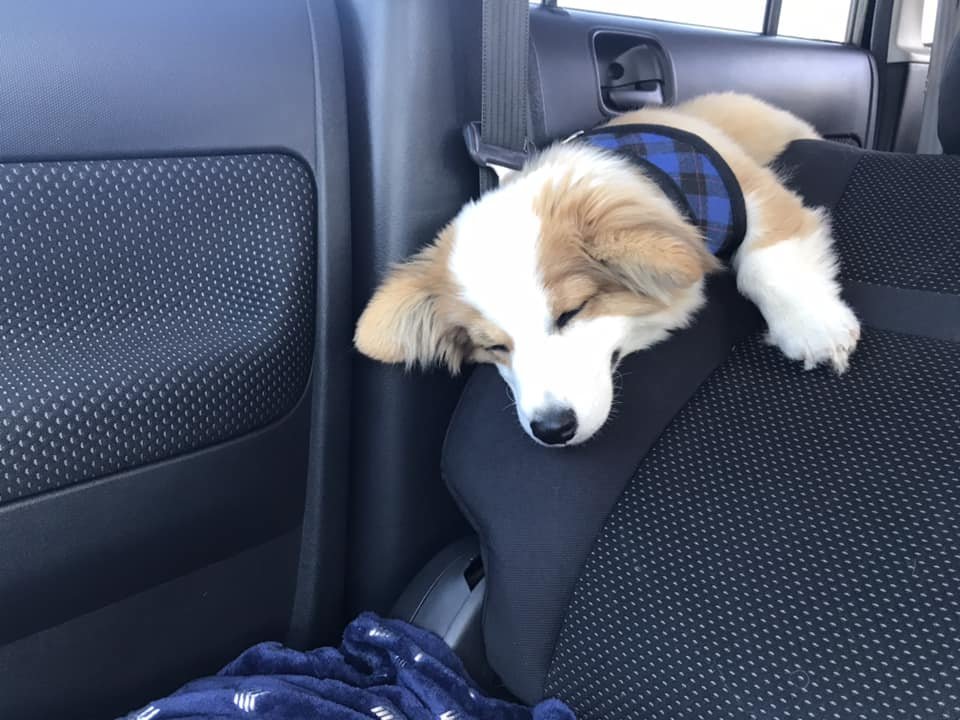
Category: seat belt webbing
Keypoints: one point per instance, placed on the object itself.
(504, 90)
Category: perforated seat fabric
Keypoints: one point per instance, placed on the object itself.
(790, 548)
(745, 539)
(894, 213)
(148, 308)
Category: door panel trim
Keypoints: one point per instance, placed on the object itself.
(123, 655)
(823, 77)
(69, 552)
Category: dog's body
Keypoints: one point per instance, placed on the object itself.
(580, 259)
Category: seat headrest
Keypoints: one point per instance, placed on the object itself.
(948, 117)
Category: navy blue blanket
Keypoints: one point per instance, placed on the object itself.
(383, 670)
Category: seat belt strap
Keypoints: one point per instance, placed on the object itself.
(501, 137)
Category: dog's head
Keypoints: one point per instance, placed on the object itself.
(553, 277)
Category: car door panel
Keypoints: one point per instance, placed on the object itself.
(121, 534)
(173, 192)
(121, 655)
(830, 85)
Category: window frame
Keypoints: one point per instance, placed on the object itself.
(771, 20)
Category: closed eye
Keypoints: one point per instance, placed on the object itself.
(497, 348)
(564, 318)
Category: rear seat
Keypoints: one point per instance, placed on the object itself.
(745, 539)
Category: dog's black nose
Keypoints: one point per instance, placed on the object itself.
(555, 426)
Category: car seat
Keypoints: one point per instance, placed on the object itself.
(745, 539)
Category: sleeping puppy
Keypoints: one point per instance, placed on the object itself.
(599, 248)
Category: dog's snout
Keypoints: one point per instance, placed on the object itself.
(554, 426)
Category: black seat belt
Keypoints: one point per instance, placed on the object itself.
(500, 138)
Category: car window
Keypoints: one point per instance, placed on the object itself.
(813, 19)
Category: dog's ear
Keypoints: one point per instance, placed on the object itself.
(654, 260)
(644, 242)
(404, 321)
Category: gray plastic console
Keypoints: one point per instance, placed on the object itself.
(446, 597)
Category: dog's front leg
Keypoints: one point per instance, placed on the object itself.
(787, 267)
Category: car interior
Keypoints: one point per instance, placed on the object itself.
(197, 199)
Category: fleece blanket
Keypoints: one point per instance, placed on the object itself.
(383, 670)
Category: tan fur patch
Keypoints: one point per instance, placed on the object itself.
(621, 249)
(782, 213)
(622, 303)
(748, 133)
(417, 316)
(762, 130)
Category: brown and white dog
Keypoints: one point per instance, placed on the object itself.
(580, 259)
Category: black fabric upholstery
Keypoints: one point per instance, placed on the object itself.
(913, 312)
(851, 140)
(149, 307)
(948, 115)
(894, 214)
(790, 548)
(897, 222)
(818, 170)
(767, 468)
(537, 510)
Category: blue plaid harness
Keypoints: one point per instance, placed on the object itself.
(689, 171)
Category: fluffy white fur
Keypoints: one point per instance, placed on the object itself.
(495, 261)
(793, 283)
(489, 300)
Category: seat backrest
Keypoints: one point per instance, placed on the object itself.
(745, 539)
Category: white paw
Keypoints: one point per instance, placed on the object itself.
(821, 332)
